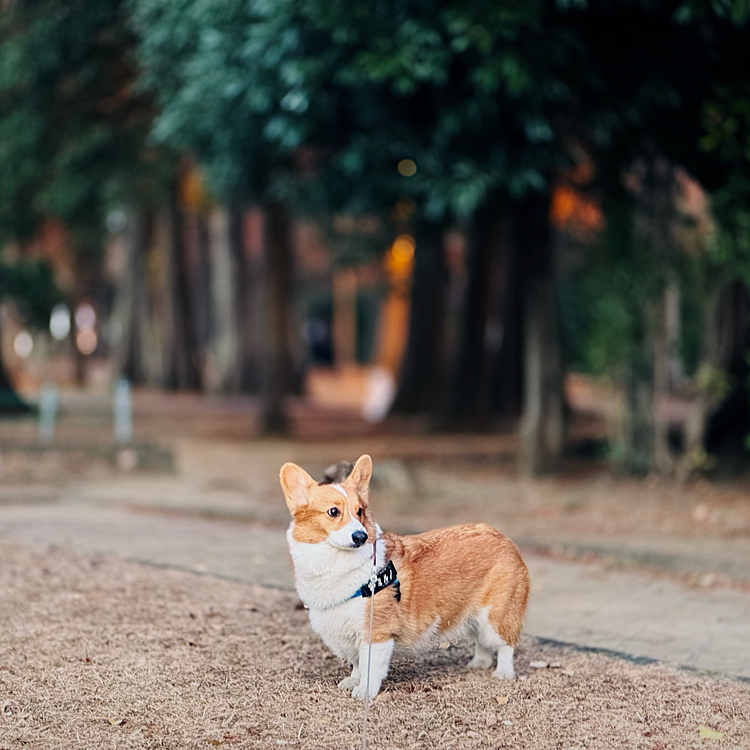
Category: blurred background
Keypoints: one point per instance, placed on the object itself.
(514, 235)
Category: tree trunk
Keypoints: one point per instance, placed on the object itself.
(530, 430)
(423, 366)
(542, 424)
(449, 345)
(344, 293)
(662, 456)
(224, 346)
(508, 377)
(554, 399)
(130, 302)
(246, 292)
(279, 282)
(181, 372)
(497, 390)
(639, 429)
(472, 354)
(487, 385)
(706, 390)
(653, 229)
(249, 230)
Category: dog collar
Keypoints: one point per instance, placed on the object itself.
(387, 577)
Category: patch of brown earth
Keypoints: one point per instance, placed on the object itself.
(99, 653)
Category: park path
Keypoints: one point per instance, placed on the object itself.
(636, 613)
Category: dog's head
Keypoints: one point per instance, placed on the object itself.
(336, 514)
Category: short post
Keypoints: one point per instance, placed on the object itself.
(123, 412)
(47, 412)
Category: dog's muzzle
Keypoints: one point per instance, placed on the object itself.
(359, 538)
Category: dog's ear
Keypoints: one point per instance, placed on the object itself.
(296, 483)
(359, 479)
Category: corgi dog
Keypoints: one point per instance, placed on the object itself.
(461, 580)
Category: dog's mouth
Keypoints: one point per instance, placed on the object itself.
(352, 545)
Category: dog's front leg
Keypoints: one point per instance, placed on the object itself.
(351, 682)
(379, 657)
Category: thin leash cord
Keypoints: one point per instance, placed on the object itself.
(368, 700)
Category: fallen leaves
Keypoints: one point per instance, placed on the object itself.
(115, 722)
(502, 699)
(709, 734)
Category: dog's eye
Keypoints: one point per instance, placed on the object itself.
(359, 512)
(333, 512)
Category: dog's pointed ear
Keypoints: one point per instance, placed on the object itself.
(296, 484)
(359, 479)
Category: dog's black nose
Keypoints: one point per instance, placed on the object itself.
(359, 538)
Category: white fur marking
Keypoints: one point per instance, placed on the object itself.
(504, 669)
(380, 659)
(327, 575)
(342, 538)
(340, 489)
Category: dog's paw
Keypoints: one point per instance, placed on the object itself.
(360, 692)
(348, 683)
(504, 673)
(480, 661)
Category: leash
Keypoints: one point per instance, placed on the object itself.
(368, 700)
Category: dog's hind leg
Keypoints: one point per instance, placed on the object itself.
(504, 669)
(482, 658)
(507, 593)
(486, 641)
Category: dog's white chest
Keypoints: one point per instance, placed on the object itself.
(340, 627)
(325, 578)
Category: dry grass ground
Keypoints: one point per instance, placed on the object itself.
(98, 653)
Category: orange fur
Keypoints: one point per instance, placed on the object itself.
(448, 574)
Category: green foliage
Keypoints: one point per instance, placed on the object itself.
(602, 303)
(467, 91)
(697, 11)
(726, 122)
(487, 98)
(71, 130)
(232, 83)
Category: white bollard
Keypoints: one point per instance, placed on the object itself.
(123, 412)
(47, 412)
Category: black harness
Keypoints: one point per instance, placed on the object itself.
(387, 577)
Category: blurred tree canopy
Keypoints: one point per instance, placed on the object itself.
(466, 91)
(72, 128)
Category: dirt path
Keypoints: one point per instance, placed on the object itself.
(99, 653)
(633, 612)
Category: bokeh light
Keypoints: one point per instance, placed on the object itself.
(407, 168)
(59, 322)
(116, 221)
(85, 316)
(403, 249)
(86, 341)
(23, 344)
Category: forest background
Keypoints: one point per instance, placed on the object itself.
(472, 208)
